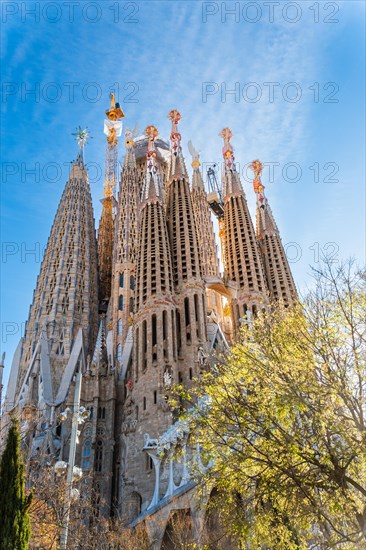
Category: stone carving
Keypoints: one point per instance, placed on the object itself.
(150, 443)
(129, 425)
(202, 358)
(168, 378)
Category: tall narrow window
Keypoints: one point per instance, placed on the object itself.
(119, 327)
(197, 315)
(85, 463)
(137, 354)
(174, 339)
(132, 282)
(99, 456)
(121, 279)
(186, 311)
(154, 332)
(165, 330)
(165, 324)
(144, 343)
(144, 404)
(120, 302)
(179, 333)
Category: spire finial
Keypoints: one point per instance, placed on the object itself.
(151, 132)
(82, 136)
(258, 186)
(227, 150)
(175, 136)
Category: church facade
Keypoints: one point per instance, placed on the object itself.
(137, 309)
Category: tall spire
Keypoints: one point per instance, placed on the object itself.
(125, 247)
(243, 261)
(207, 246)
(278, 274)
(65, 296)
(154, 340)
(205, 232)
(112, 129)
(177, 164)
(154, 275)
(189, 285)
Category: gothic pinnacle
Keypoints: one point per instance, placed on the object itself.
(177, 167)
(231, 180)
(151, 188)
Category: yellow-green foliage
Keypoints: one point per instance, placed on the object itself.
(286, 423)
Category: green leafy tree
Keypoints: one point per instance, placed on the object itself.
(14, 504)
(285, 422)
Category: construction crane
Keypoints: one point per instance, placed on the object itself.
(113, 130)
(216, 204)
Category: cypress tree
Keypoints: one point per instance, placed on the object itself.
(14, 504)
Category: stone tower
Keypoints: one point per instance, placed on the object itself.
(243, 262)
(189, 287)
(155, 347)
(66, 295)
(206, 239)
(277, 270)
(125, 250)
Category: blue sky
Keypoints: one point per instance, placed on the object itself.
(164, 55)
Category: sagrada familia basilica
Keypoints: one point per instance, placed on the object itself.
(136, 309)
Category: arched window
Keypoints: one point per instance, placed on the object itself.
(99, 455)
(85, 462)
(119, 327)
(120, 302)
(119, 353)
(121, 278)
(132, 282)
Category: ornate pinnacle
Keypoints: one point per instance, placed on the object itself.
(226, 134)
(257, 168)
(227, 150)
(175, 136)
(151, 132)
